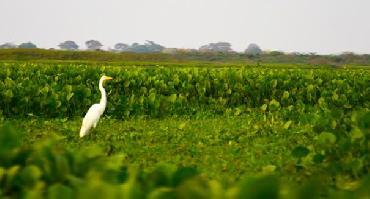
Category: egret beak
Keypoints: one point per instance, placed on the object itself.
(108, 78)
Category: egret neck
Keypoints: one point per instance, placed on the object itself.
(103, 100)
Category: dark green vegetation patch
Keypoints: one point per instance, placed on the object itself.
(68, 90)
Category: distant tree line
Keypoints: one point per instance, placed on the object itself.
(147, 47)
(183, 55)
(219, 51)
(22, 45)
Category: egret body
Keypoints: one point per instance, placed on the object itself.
(92, 116)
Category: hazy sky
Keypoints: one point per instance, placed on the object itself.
(323, 26)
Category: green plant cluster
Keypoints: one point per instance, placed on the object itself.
(62, 90)
(49, 170)
(339, 150)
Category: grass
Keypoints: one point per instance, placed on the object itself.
(200, 59)
(225, 148)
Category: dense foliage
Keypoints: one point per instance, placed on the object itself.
(47, 169)
(68, 90)
(184, 132)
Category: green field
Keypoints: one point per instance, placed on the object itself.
(184, 132)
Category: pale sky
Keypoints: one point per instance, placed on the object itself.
(323, 26)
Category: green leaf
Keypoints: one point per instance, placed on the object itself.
(152, 98)
(9, 140)
(127, 84)
(274, 83)
(274, 105)
(87, 92)
(182, 126)
(8, 94)
(162, 192)
(322, 103)
(69, 96)
(172, 98)
(237, 112)
(285, 95)
(2, 173)
(318, 158)
(58, 191)
(300, 152)
(11, 174)
(310, 88)
(364, 121)
(256, 188)
(30, 175)
(183, 174)
(45, 90)
(268, 169)
(356, 133)
(68, 88)
(335, 97)
(287, 124)
(264, 107)
(326, 138)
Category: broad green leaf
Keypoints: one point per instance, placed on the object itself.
(326, 138)
(356, 133)
(300, 152)
(30, 175)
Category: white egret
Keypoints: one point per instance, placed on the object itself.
(92, 116)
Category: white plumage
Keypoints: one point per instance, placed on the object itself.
(92, 116)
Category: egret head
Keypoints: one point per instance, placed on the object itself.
(103, 78)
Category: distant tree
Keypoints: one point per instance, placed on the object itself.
(8, 45)
(276, 53)
(121, 47)
(153, 47)
(295, 54)
(348, 53)
(93, 45)
(348, 57)
(319, 61)
(253, 50)
(68, 45)
(138, 48)
(170, 50)
(217, 47)
(27, 45)
(148, 47)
